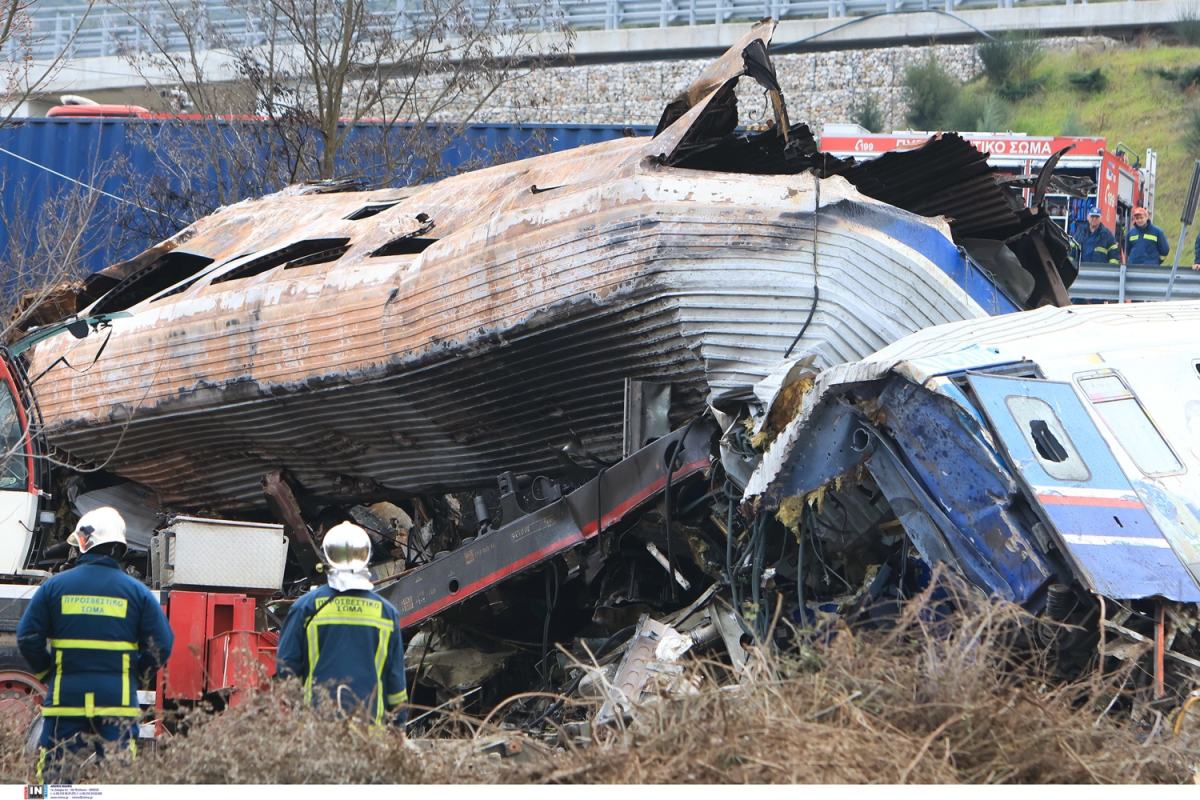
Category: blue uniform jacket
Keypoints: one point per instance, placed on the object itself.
(349, 639)
(1196, 250)
(1146, 245)
(1098, 246)
(89, 633)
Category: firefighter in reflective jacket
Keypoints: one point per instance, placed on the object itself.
(346, 637)
(1095, 244)
(103, 629)
(1145, 243)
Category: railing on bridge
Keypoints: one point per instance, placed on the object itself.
(1115, 283)
(109, 31)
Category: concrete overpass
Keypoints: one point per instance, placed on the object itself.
(626, 30)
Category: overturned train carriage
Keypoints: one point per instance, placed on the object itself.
(1049, 457)
(378, 344)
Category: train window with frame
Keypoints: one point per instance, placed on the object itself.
(1128, 421)
(309, 251)
(1056, 454)
(14, 458)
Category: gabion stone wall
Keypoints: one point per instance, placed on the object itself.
(819, 87)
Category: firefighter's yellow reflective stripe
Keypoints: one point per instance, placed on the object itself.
(133, 747)
(124, 680)
(96, 711)
(92, 644)
(57, 676)
(380, 658)
(95, 606)
(1150, 236)
(398, 698)
(89, 704)
(381, 624)
(314, 653)
(41, 676)
(358, 607)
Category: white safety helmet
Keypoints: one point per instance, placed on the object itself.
(101, 526)
(346, 547)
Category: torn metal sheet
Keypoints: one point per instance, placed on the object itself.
(139, 507)
(407, 340)
(560, 526)
(1055, 444)
(653, 645)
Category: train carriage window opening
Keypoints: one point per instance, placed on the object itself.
(370, 210)
(1128, 421)
(14, 464)
(308, 251)
(163, 272)
(1047, 438)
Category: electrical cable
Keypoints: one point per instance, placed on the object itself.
(88, 186)
(671, 454)
(811, 311)
(674, 452)
(783, 48)
(816, 265)
(552, 574)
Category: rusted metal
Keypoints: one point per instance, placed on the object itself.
(283, 505)
(552, 530)
(470, 323)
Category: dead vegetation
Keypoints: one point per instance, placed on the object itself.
(932, 699)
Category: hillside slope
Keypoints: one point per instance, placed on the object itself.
(1138, 108)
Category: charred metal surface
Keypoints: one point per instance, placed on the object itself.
(282, 502)
(429, 338)
(560, 526)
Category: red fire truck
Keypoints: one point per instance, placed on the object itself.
(1122, 180)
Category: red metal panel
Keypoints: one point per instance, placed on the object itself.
(1107, 196)
(239, 660)
(232, 657)
(229, 612)
(184, 673)
(997, 144)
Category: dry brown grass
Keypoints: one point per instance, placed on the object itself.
(927, 702)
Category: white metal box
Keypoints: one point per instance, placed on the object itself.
(217, 553)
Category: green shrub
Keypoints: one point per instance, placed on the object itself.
(1014, 91)
(868, 113)
(1072, 126)
(931, 91)
(1191, 131)
(1011, 58)
(1092, 82)
(977, 112)
(1187, 24)
(1183, 79)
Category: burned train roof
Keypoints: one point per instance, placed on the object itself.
(406, 339)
